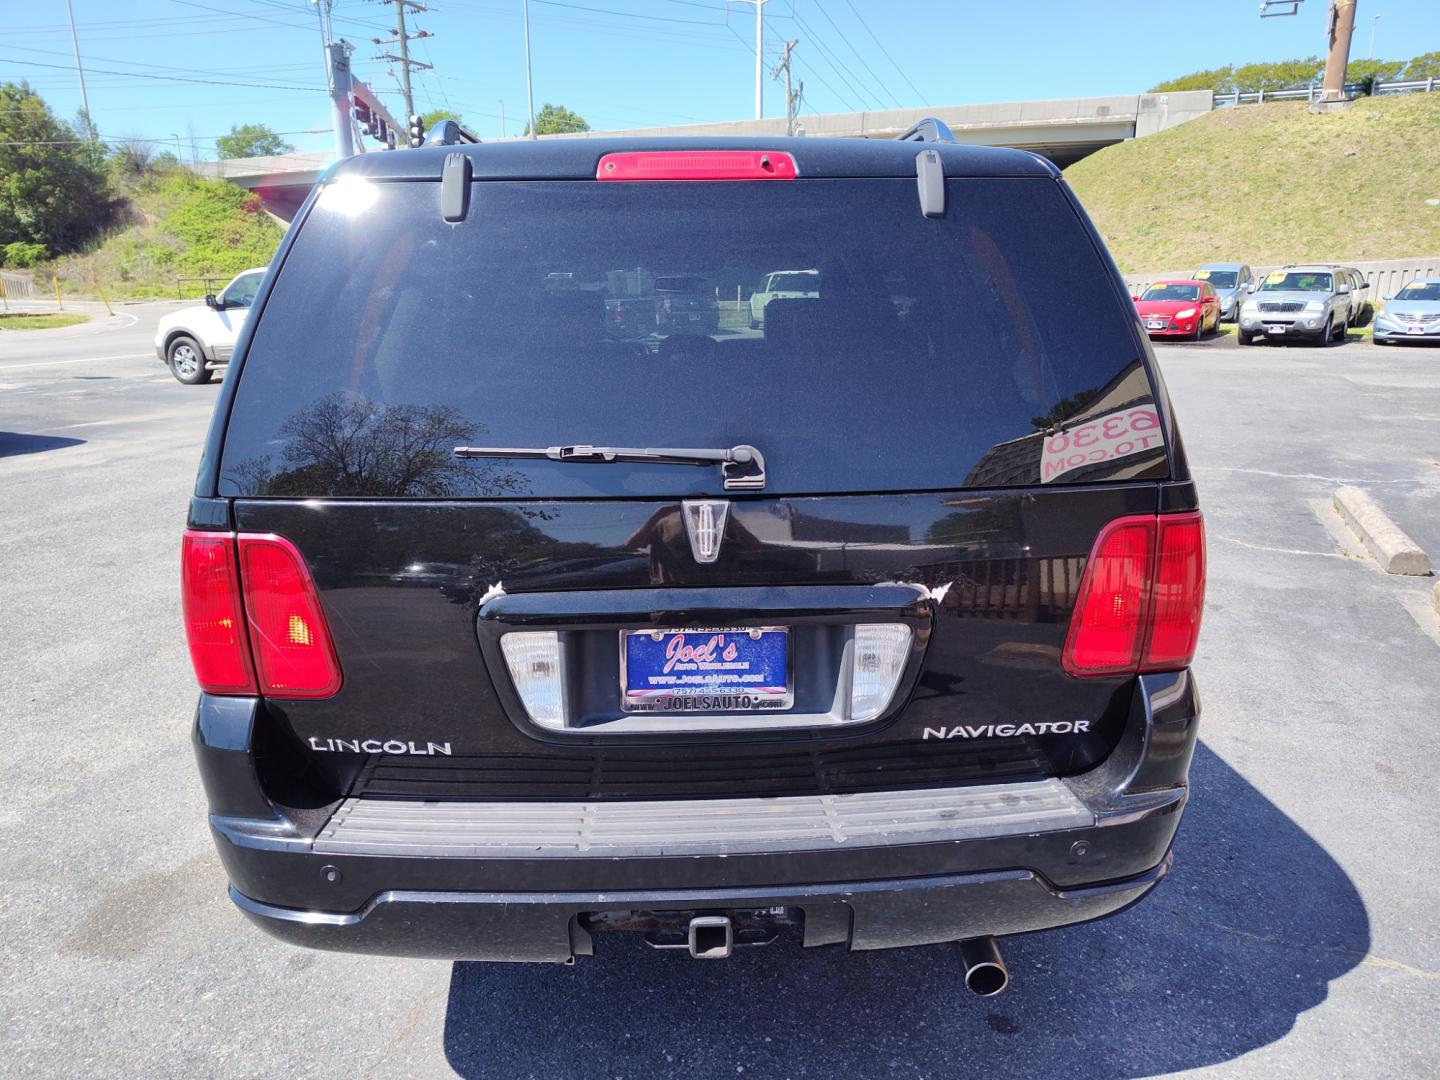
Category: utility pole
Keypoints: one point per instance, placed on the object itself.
(502, 118)
(1373, 20)
(339, 77)
(792, 98)
(80, 70)
(1339, 31)
(403, 39)
(759, 53)
(529, 82)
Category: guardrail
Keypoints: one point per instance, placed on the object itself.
(209, 284)
(15, 286)
(1313, 93)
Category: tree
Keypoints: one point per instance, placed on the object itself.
(1284, 75)
(557, 120)
(50, 191)
(251, 140)
(434, 116)
(1424, 66)
(1217, 79)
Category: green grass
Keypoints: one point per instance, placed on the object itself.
(179, 226)
(1271, 184)
(40, 322)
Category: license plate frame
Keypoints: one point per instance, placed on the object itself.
(1155, 324)
(1275, 329)
(1417, 331)
(722, 693)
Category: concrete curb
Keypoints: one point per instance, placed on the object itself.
(1393, 550)
(1435, 597)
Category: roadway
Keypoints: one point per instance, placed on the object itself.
(1297, 935)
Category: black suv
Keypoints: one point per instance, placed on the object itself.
(870, 627)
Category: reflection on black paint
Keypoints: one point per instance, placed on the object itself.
(357, 447)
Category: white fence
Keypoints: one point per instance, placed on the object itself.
(15, 286)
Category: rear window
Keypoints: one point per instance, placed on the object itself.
(990, 348)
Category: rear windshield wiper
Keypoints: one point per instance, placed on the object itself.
(743, 466)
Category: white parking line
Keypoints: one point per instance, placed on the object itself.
(80, 360)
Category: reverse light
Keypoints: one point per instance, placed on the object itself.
(880, 653)
(294, 657)
(533, 657)
(697, 165)
(214, 622)
(1140, 598)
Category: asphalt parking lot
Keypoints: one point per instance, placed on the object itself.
(1297, 936)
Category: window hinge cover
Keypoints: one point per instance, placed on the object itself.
(455, 187)
(930, 179)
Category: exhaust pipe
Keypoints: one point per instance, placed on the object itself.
(985, 971)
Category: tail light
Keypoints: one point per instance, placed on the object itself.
(1140, 598)
(253, 618)
(214, 620)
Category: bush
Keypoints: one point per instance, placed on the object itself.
(22, 256)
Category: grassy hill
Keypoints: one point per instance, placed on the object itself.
(178, 226)
(1271, 184)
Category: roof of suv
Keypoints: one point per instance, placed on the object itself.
(577, 159)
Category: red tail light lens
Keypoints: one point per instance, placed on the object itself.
(294, 657)
(697, 165)
(1179, 593)
(214, 624)
(1140, 598)
(1108, 624)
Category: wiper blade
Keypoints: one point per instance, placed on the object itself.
(743, 466)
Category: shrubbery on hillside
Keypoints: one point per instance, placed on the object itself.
(183, 227)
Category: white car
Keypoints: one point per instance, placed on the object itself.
(783, 285)
(194, 341)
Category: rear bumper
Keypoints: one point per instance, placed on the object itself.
(510, 926)
(519, 881)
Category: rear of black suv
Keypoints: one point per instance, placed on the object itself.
(516, 624)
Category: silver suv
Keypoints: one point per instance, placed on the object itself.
(1307, 302)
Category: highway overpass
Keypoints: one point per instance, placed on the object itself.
(1064, 130)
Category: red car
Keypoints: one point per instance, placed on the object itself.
(1179, 309)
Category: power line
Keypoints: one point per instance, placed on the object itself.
(919, 96)
(838, 66)
(166, 78)
(856, 51)
(625, 14)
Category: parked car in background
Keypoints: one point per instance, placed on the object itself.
(1181, 308)
(1361, 309)
(685, 304)
(1309, 302)
(783, 285)
(1412, 314)
(1230, 282)
(196, 341)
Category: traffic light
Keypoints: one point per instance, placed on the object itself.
(417, 131)
(362, 114)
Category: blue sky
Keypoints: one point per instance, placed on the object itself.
(634, 63)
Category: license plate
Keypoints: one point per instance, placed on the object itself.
(1415, 330)
(1275, 329)
(706, 670)
(1155, 324)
